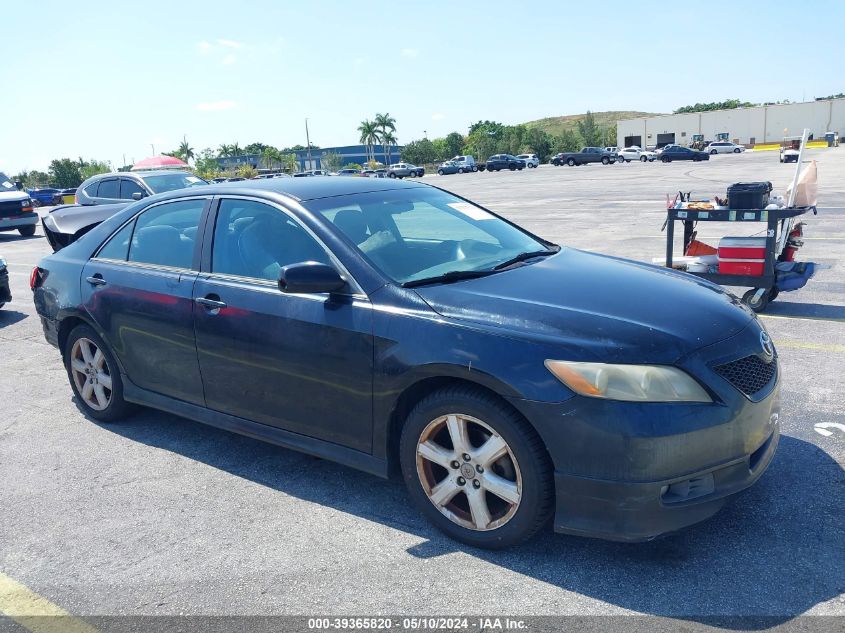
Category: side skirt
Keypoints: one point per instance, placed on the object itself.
(265, 433)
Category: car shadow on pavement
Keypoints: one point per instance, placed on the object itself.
(811, 310)
(10, 317)
(774, 552)
(7, 236)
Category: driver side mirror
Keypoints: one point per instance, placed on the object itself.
(138, 195)
(310, 277)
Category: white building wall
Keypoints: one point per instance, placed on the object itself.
(763, 124)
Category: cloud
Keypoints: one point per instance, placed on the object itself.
(204, 47)
(438, 116)
(216, 106)
(410, 52)
(229, 43)
(228, 60)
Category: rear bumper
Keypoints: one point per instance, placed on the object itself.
(15, 222)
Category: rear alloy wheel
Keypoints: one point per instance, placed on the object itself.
(643, 159)
(460, 170)
(712, 152)
(605, 160)
(391, 175)
(94, 375)
(571, 162)
(475, 468)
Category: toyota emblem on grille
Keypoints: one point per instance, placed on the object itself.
(766, 344)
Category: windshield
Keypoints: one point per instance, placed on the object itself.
(415, 234)
(169, 182)
(6, 184)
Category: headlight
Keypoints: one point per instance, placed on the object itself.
(26, 203)
(633, 383)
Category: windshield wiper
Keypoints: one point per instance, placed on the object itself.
(523, 256)
(452, 275)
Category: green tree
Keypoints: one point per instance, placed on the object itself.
(186, 152)
(539, 142)
(454, 143)
(92, 168)
(492, 128)
(246, 171)
(224, 151)
(330, 161)
(386, 125)
(419, 152)
(389, 141)
(610, 136)
(591, 134)
(567, 141)
(271, 156)
(441, 149)
(257, 148)
(290, 163)
(369, 136)
(353, 166)
(236, 149)
(729, 104)
(64, 173)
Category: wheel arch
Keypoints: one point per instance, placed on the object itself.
(414, 393)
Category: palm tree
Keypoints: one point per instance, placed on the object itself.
(388, 139)
(186, 152)
(235, 149)
(291, 164)
(369, 136)
(386, 124)
(272, 155)
(224, 150)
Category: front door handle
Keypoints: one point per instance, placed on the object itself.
(96, 280)
(211, 304)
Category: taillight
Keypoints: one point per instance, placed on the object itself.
(36, 278)
(76, 198)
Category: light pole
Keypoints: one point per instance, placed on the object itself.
(308, 141)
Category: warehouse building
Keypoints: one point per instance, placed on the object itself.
(746, 126)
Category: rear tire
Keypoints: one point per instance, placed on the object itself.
(94, 376)
(474, 514)
(643, 159)
(712, 152)
(737, 150)
(27, 231)
(439, 172)
(666, 159)
(391, 175)
(605, 161)
(571, 162)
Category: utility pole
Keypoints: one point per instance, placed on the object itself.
(154, 149)
(308, 141)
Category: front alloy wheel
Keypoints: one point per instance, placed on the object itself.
(476, 468)
(468, 472)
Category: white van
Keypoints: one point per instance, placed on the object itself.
(16, 212)
(467, 162)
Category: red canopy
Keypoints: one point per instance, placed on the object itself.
(159, 162)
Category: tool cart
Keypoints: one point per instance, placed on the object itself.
(778, 227)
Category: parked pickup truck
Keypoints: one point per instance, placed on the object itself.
(587, 155)
(16, 212)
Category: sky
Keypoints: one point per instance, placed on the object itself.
(108, 80)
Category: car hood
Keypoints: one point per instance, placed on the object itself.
(11, 196)
(597, 307)
(70, 219)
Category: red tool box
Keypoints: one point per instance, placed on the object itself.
(742, 255)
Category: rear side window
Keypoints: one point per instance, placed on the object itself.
(109, 189)
(91, 190)
(129, 187)
(165, 235)
(118, 246)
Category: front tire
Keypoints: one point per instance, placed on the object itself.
(712, 152)
(27, 231)
(439, 172)
(605, 161)
(475, 468)
(391, 175)
(737, 150)
(94, 376)
(643, 159)
(666, 159)
(571, 162)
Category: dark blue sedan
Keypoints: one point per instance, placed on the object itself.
(380, 323)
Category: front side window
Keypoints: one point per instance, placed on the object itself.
(109, 189)
(414, 234)
(130, 187)
(253, 239)
(165, 234)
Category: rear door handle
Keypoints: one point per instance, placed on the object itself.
(211, 304)
(96, 280)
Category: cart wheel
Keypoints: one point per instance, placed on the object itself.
(760, 304)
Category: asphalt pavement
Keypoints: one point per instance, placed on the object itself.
(161, 515)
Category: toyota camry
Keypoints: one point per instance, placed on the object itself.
(397, 328)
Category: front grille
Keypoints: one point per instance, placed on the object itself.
(749, 374)
(12, 207)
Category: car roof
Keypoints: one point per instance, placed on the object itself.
(303, 188)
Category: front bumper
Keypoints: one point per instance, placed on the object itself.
(16, 221)
(633, 471)
(5, 292)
